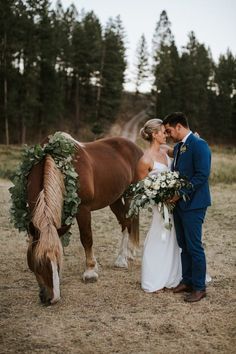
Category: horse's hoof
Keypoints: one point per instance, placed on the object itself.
(90, 276)
(54, 300)
(121, 262)
(131, 254)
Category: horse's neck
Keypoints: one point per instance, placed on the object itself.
(81, 159)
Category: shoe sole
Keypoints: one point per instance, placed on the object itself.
(189, 300)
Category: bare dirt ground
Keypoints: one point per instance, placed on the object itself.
(114, 315)
(129, 130)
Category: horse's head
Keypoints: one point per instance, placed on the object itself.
(45, 263)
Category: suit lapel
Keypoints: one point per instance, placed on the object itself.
(175, 152)
(187, 143)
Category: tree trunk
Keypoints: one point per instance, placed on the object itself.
(99, 91)
(5, 91)
(77, 108)
(23, 131)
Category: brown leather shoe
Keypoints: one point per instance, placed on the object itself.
(196, 295)
(182, 287)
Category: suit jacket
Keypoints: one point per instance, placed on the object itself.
(194, 162)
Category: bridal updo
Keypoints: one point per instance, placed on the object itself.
(151, 126)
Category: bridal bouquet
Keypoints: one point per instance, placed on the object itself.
(157, 189)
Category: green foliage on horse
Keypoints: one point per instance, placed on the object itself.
(61, 149)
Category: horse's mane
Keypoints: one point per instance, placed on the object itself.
(47, 213)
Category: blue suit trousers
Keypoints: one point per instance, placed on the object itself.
(188, 224)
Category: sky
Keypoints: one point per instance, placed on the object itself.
(213, 22)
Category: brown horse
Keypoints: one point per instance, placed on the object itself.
(105, 168)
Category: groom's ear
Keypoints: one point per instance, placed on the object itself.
(178, 126)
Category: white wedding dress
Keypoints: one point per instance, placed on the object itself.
(161, 262)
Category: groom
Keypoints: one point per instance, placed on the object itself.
(192, 158)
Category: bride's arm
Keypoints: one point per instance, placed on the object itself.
(143, 168)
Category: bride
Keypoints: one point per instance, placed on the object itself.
(161, 262)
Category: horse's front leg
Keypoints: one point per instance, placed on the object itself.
(84, 223)
(118, 209)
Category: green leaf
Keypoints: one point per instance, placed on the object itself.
(60, 148)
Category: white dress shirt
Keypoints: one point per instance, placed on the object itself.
(186, 137)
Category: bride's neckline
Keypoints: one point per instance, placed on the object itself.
(161, 163)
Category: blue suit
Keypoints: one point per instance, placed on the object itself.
(194, 162)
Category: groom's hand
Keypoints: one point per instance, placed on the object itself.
(174, 199)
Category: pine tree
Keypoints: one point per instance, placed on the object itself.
(8, 46)
(63, 22)
(225, 78)
(195, 70)
(142, 66)
(162, 35)
(114, 65)
(86, 58)
(166, 93)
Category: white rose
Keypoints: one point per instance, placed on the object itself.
(163, 185)
(147, 183)
(156, 186)
(163, 178)
(148, 193)
(171, 184)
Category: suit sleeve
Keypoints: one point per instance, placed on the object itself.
(201, 165)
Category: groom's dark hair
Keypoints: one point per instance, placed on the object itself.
(176, 117)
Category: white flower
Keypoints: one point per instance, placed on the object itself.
(172, 183)
(147, 183)
(156, 185)
(163, 185)
(148, 193)
(163, 178)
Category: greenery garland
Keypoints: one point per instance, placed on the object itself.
(61, 149)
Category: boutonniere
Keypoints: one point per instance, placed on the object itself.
(183, 149)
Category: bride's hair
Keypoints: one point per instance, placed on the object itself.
(151, 126)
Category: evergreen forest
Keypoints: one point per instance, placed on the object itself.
(61, 69)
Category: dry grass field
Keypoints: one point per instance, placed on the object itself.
(114, 315)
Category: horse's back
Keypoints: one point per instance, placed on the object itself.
(106, 168)
(116, 147)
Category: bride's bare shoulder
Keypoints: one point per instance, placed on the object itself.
(145, 165)
(146, 158)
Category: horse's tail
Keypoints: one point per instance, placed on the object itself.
(47, 214)
(134, 231)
